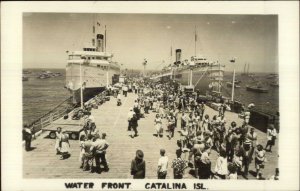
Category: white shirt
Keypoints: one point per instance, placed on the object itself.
(163, 163)
(270, 133)
(130, 114)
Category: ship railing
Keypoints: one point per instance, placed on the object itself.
(57, 112)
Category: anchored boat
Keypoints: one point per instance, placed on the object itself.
(204, 75)
(257, 88)
(90, 71)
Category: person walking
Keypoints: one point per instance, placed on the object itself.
(27, 136)
(171, 126)
(158, 126)
(125, 90)
(57, 146)
(119, 102)
(65, 146)
(129, 117)
(134, 125)
(179, 165)
(138, 166)
(204, 170)
(271, 137)
(162, 165)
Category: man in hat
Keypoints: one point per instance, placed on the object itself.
(27, 136)
(138, 166)
(99, 147)
(162, 165)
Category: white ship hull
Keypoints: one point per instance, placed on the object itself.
(93, 80)
(205, 79)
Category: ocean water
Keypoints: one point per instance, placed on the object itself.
(42, 95)
(267, 102)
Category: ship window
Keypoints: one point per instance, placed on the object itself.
(98, 65)
(89, 58)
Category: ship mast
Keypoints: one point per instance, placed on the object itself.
(248, 69)
(195, 41)
(233, 79)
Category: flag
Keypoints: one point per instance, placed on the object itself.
(98, 23)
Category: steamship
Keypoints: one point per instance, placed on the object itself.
(90, 69)
(198, 72)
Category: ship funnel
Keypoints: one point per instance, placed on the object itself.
(178, 55)
(100, 43)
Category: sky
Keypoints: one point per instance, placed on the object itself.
(131, 38)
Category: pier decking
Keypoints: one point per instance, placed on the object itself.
(42, 162)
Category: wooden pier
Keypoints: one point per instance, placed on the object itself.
(42, 162)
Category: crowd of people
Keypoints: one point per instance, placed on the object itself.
(200, 134)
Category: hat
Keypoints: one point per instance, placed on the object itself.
(139, 154)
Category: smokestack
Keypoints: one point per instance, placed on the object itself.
(100, 38)
(178, 55)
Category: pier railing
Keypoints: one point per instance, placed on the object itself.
(57, 112)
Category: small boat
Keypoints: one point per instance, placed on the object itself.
(25, 78)
(43, 76)
(237, 81)
(229, 84)
(274, 84)
(27, 72)
(257, 88)
(272, 76)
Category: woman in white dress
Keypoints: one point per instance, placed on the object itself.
(65, 146)
(57, 146)
(158, 125)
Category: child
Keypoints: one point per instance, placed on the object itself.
(259, 160)
(232, 172)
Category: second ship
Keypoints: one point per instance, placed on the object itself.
(197, 73)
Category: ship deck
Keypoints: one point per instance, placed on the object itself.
(42, 162)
